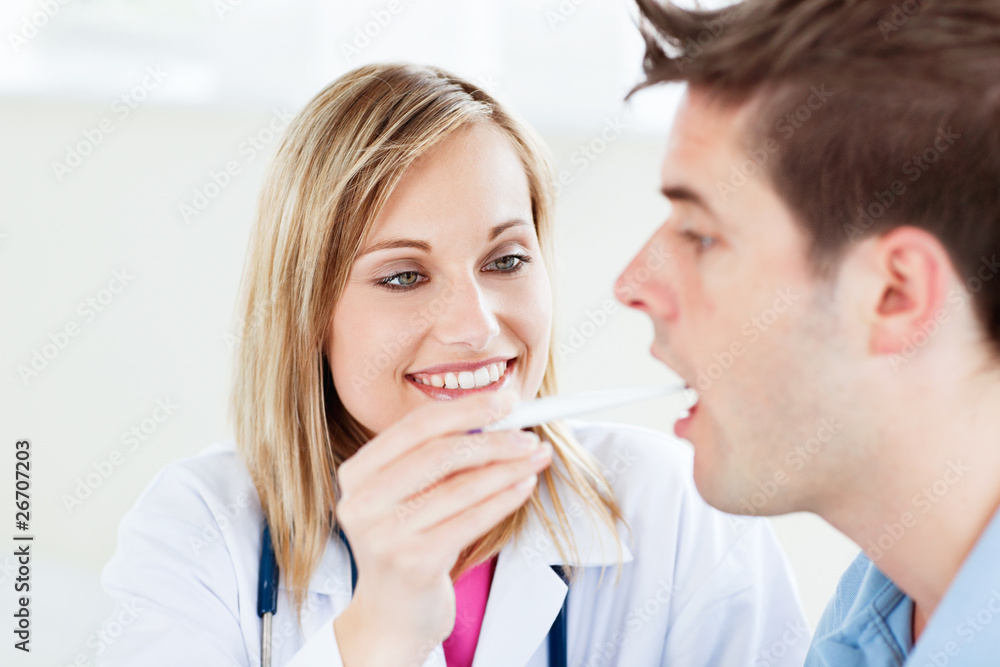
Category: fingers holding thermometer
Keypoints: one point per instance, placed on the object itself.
(421, 472)
(427, 422)
(412, 499)
(488, 466)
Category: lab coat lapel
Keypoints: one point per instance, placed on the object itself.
(525, 598)
(527, 594)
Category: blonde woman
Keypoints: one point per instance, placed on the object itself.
(397, 298)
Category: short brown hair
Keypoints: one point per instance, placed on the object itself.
(904, 88)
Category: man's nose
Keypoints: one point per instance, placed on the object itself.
(645, 284)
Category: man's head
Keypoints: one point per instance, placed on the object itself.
(835, 178)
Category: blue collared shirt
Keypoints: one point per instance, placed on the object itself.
(868, 621)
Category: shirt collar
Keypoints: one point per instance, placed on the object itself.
(973, 595)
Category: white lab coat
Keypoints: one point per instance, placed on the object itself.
(699, 587)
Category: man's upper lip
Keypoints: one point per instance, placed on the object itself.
(663, 360)
(459, 366)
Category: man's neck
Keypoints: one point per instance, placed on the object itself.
(918, 622)
(936, 495)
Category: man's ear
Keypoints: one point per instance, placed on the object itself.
(911, 271)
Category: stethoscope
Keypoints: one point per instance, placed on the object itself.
(267, 601)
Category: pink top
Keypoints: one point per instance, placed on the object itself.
(471, 592)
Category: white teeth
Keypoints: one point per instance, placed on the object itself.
(690, 397)
(481, 377)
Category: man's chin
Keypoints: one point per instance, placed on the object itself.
(712, 492)
(716, 485)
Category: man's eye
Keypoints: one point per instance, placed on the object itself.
(701, 243)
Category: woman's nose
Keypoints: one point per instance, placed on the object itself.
(469, 317)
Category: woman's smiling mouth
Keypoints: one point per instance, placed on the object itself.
(446, 381)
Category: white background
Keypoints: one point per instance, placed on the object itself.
(226, 69)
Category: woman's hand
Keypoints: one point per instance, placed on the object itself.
(412, 499)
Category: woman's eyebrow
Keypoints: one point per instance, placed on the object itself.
(389, 244)
(499, 229)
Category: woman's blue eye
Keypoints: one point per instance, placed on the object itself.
(409, 279)
(400, 280)
(510, 263)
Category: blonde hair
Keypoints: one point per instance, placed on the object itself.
(335, 169)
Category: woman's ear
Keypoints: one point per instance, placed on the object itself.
(908, 276)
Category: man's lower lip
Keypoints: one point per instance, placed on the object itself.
(442, 394)
(682, 426)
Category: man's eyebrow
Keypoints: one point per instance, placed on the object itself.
(677, 193)
(390, 244)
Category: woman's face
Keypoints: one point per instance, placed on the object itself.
(449, 295)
